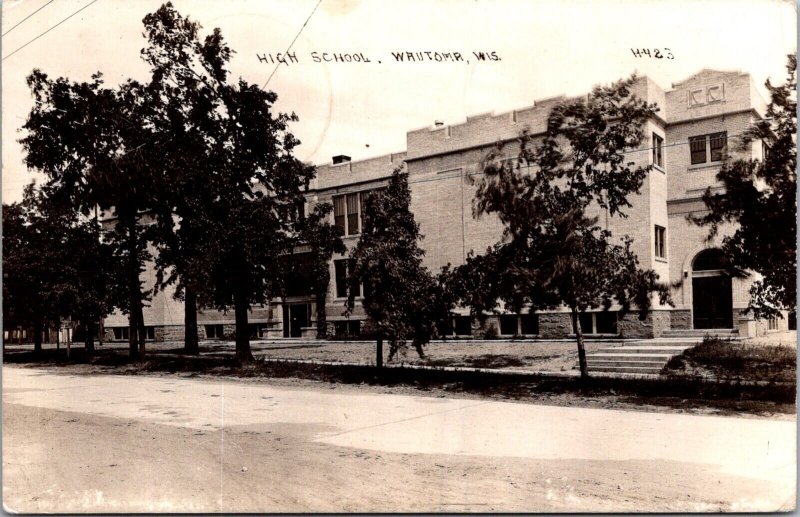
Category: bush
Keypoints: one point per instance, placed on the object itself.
(726, 359)
(490, 332)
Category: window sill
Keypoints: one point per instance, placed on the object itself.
(660, 169)
(706, 165)
(661, 259)
(597, 335)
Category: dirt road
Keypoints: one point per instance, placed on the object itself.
(130, 444)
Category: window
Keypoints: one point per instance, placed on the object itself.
(352, 214)
(529, 324)
(348, 212)
(338, 213)
(586, 320)
(718, 142)
(773, 323)
(121, 333)
(257, 330)
(463, 325)
(708, 148)
(604, 322)
(342, 278)
(347, 329)
(697, 145)
(150, 333)
(661, 242)
(658, 151)
(764, 150)
(508, 324)
(214, 331)
(299, 212)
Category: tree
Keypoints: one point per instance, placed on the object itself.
(759, 196)
(55, 266)
(238, 183)
(94, 144)
(553, 252)
(323, 239)
(400, 294)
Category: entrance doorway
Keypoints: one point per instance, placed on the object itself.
(712, 300)
(295, 317)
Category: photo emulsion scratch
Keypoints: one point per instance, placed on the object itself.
(368, 256)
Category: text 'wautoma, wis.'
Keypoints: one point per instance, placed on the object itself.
(428, 56)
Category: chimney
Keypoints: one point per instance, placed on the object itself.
(438, 123)
(340, 158)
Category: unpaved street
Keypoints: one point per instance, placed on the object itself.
(107, 443)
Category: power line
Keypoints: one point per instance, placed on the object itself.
(292, 43)
(48, 30)
(23, 20)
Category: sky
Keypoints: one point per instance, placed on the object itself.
(545, 48)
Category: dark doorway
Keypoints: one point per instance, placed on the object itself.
(295, 317)
(712, 300)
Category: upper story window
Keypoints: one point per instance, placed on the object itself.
(661, 242)
(708, 148)
(658, 151)
(342, 268)
(348, 212)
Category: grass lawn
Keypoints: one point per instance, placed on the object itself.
(539, 356)
(720, 359)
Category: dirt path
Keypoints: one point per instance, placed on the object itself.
(122, 444)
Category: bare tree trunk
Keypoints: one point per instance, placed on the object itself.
(379, 351)
(90, 329)
(576, 327)
(37, 335)
(135, 314)
(241, 306)
(191, 343)
(322, 315)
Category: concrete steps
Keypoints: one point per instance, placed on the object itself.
(638, 357)
(701, 333)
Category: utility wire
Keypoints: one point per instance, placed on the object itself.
(443, 177)
(292, 43)
(48, 30)
(23, 20)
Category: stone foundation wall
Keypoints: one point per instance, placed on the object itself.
(170, 333)
(681, 319)
(630, 326)
(555, 325)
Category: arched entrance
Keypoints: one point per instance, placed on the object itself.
(712, 300)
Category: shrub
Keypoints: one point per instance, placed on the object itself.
(726, 359)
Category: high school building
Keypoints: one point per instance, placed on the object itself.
(701, 121)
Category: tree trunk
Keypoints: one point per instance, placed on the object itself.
(191, 344)
(37, 335)
(136, 314)
(322, 315)
(576, 327)
(90, 328)
(142, 330)
(241, 306)
(379, 352)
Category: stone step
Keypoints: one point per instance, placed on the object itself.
(662, 350)
(700, 333)
(625, 363)
(644, 370)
